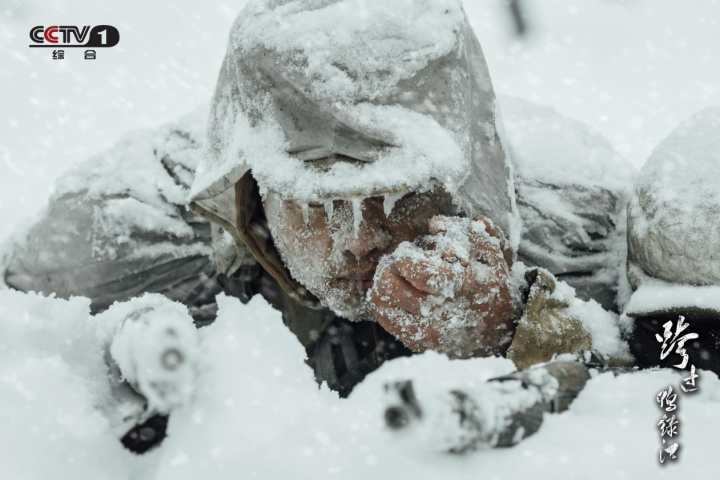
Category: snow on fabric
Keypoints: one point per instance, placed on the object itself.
(572, 188)
(349, 98)
(115, 217)
(428, 152)
(139, 186)
(674, 233)
(351, 39)
(257, 410)
(126, 168)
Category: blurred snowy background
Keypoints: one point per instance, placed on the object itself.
(631, 69)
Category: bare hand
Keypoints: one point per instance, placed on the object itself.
(448, 291)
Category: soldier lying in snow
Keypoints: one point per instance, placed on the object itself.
(365, 175)
(354, 178)
(673, 270)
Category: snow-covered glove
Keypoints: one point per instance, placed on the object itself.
(156, 348)
(448, 291)
(546, 328)
(151, 350)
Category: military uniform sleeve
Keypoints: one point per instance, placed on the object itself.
(117, 226)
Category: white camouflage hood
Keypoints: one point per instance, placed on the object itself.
(352, 98)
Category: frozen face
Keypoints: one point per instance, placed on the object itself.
(332, 248)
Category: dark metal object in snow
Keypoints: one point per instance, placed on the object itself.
(147, 435)
(474, 428)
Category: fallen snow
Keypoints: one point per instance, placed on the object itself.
(673, 232)
(549, 147)
(322, 104)
(343, 41)
(423, 150)
(572, 188)
(603, 326)
(168, 154)
(257, 412)
(52, 382)
(684, 168)
(355, 52)
(667, 67)
(658, 296)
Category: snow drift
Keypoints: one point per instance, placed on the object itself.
(258, 412)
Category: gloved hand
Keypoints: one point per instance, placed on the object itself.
(152, 353)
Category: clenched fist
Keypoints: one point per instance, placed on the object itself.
(448, 291)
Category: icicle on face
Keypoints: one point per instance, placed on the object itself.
(328, 205)
(389, 202)
(357, 207)
(305, 213)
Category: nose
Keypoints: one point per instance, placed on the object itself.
(371, 237)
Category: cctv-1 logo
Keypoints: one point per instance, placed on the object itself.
(68, 36)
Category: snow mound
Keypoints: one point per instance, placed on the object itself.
(258, 411)
(674, 232)
(53, 382)
(680, 168)
(168, 155)
(549, 147)
(657, 296)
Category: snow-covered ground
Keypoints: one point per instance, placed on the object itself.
(257, 413)
(631, 69)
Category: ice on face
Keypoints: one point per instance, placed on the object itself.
(305, 213)
(329, 209)
(389, 202)
(357, 207)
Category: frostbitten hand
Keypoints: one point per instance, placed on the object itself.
(448, 291)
